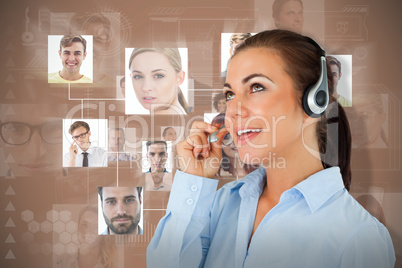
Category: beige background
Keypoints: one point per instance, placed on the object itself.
(369, 30)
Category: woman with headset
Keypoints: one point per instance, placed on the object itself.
(295, 210)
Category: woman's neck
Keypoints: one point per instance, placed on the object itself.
(237, 167)
(173, 108)
(297, 166)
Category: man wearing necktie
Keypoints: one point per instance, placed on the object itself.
(117, 141)
(82, 153)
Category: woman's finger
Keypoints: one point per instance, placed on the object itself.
(201, 130)
(199, 126)
(198, 141)
(216, 147)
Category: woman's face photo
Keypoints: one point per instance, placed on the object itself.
(170, 135)
(155, 81)
(87, 228)
(263, 113)
(222, 106)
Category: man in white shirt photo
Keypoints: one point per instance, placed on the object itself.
(81, 152)
(117, 140)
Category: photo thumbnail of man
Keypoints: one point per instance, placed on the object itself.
(302, 17)
(121, 148)
(76, 64)
(81, 151)
(30, 141)
(341, 74)
(158, 181)
(121, 209)
(288, 15)
(233, 40)
(157, 156)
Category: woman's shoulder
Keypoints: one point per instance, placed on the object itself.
(364, 236)
(348, 219)
(356, 212)
(333, 207)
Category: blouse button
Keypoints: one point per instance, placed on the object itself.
(189, 201)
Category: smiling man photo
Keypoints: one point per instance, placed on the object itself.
(72, 53)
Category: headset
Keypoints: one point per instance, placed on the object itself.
(316, 97)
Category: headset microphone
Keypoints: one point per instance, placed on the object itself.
(316, 97)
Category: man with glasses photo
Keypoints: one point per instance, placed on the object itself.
(30, 141)
(81, 152)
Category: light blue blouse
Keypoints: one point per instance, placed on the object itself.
(317, 223)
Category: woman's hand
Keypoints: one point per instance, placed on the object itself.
(195, 156)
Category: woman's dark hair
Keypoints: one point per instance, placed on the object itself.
(301, 59)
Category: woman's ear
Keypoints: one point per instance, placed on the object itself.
(180, 77)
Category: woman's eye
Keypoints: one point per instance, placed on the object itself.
(256, 88)
(229, 95)
(111, 202)
(159, 76)
(137, 76)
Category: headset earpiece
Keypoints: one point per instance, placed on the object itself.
(316, 97)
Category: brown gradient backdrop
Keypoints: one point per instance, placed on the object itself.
(39, 210)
